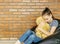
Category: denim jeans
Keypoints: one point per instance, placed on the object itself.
(28, 37)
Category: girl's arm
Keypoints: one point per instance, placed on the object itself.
(52, 30)
(48, 33)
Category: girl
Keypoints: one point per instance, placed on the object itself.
(46, 27)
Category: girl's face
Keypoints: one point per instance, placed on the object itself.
(47, 18)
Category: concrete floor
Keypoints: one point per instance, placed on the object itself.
(6, 41)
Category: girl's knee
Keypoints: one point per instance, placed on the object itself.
(32, 36)
(28, 31)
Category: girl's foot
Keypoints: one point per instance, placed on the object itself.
(18, 42)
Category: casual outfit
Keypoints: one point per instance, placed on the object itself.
(29, 36)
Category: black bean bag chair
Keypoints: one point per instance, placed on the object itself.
(53, 39)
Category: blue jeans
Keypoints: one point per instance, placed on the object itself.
(28, 37)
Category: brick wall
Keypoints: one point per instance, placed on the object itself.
(16, 16)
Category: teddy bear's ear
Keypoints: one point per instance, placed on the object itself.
(38, 20)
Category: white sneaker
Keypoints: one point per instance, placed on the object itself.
(18, 42)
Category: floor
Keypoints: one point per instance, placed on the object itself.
(7, 41)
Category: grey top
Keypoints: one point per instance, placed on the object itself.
(54, 23)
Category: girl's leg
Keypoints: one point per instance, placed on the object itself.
(37, 39)
(25, 35)
(30, 39)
